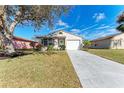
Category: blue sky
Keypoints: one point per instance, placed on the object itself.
(90, 22)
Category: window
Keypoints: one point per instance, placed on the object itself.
(61, 42)
(60, 32)
(45, 42)
(95, 45)
(50, 42)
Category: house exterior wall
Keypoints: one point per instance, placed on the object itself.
(101, 43)
(21, 44)
(55, 43)
(116, 42)
(68, 36)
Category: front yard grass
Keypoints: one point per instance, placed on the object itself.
(112, 54)
(38, 70)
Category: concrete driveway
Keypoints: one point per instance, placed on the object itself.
(96, 72)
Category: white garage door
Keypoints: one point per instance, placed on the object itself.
(72, 45)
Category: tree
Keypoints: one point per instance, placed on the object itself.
(37, 16)
(87, 43)
(120, 20)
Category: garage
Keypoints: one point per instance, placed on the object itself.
(72, 44)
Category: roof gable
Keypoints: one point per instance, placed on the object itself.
(56, 32)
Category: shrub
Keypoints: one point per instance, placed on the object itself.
(62, 47)
(87, 44)
(50, 48)
(32, 44)
(38, 47)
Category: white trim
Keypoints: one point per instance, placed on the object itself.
(65, 32)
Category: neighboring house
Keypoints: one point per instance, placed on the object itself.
(21, 43)
(115, 41)
(58, 38)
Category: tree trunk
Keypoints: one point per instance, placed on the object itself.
(7, 43)
(6, 33)
(8, 38)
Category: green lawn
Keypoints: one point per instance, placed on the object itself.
(38, 70)
(112, 54)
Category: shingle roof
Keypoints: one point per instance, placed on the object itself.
(22, 39)
(50, 34)
(106, 37)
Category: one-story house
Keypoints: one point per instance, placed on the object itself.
(22, 43)
(115, 41)
(58, 38)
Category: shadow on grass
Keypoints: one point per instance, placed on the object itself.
(20, 54)
(12, 55)
(49, 53)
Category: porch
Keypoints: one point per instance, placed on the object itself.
(55, 41)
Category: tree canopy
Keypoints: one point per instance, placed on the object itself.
(34, 15)
(120, 20)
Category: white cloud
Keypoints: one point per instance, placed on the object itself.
(101, 33)
(87, 28)
(94, 16)
(112, 30)
(61, 23)
(59, 29)
(99, 16)
(109, 32)
(75, 30)
(103, 27)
